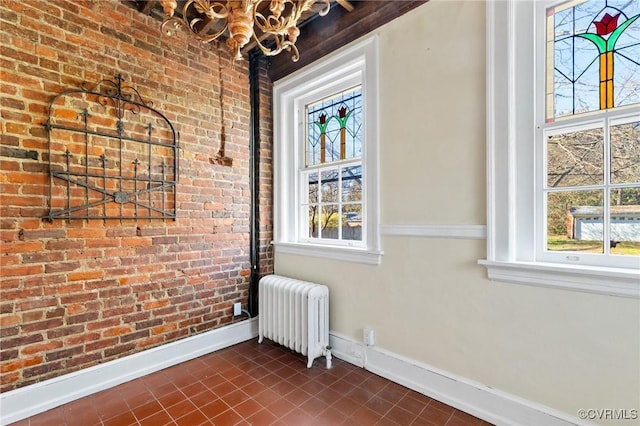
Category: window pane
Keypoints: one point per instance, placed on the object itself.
(332, 149)
(334, 128)
(575, 159)
(593, 56)
(625, 153)
(626, 71)
(329, 186)
(352, 183)
(352, 222)
(314, 220)
(625, 221)
(579, 95)
(313, 187)
(575, 221)
(627, 57)
(313, 146)
(329, 222)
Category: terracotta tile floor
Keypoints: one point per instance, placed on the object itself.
(252, 384)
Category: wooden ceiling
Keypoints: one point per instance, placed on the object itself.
(319, 36)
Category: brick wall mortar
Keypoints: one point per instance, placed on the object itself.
(78, 293)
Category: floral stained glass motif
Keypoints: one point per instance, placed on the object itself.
(334, 128)
(593, 56)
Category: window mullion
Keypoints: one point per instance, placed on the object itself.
(339, 203)
(320, 204)
(606, 207)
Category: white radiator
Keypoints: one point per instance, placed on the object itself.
(295, 314)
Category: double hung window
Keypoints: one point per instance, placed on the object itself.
(590, 188)
(563, 136)
(332, 175)
(326, 158)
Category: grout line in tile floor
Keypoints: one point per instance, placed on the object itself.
(256, 384)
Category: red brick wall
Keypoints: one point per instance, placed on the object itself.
(82, 292)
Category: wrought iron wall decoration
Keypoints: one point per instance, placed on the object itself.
(111, 155)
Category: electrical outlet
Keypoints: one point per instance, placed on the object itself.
(237, 309)
(368, 335)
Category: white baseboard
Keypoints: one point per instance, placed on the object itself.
(33, 399)
(489, 404)
(479, 400)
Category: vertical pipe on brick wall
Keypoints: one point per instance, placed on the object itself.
(254, 180)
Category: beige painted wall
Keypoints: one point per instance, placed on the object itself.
(429, 300)
(432, 107)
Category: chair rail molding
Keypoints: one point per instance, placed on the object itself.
(469, 232)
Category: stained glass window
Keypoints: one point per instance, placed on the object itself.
(593, 56)
(333, 172)
(334, 127)
(591, 188)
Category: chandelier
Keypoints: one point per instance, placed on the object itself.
(244, 19)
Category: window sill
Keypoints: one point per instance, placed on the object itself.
(349, 254)
(599, 280)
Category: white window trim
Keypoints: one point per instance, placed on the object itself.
(360, 59)
(511, 159)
